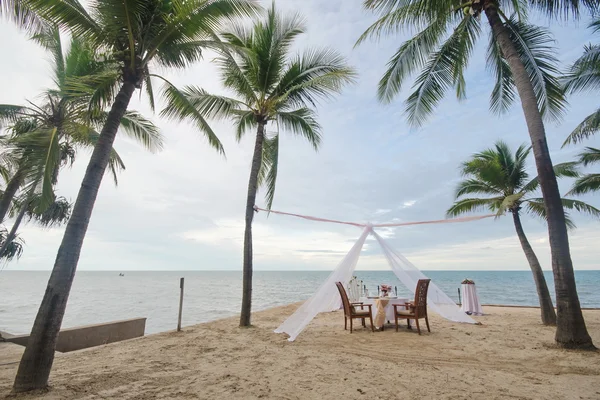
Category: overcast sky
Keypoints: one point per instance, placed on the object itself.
(182, 209)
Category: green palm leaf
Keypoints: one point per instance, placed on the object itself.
(586, 184)
(180, 107)
(563, 170)
(301, 122)
(468, 205)
(589, 156)
(535, 47)
(411, 56)
(443, 71)
(536, 208)
(589, 126)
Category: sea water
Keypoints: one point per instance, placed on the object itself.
(101, 296)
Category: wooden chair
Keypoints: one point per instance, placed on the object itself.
(351, 312)
(415, 310)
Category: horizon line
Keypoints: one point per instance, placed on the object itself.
(281, 270)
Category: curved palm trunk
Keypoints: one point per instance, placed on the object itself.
(252, 188)
(546, 307)
(571, 331)
(38, 357)
(9, 194)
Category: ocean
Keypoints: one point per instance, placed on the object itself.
(101, 296)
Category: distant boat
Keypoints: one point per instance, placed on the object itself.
(121, 274)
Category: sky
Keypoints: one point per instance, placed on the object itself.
(183, 208)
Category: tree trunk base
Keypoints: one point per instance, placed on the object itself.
(587, 346)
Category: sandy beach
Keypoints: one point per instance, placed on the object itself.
(509, 356)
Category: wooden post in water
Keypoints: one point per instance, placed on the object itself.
(180, 304)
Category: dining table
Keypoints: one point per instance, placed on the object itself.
(382, 308)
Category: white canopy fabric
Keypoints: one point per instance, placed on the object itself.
(327, 297)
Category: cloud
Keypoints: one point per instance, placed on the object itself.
(408, 204)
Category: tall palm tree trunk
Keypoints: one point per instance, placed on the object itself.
(546, 306)
(38, 357)
(571, 331)
(250, 202)
(9, 194)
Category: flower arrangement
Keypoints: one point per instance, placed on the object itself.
(385, 289)
(468, 282)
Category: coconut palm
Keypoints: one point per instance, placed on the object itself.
(521, 58)
(47, 134)
(272, 88)
(44, 138)
(136, 36)
(498, 173)
(584, 75)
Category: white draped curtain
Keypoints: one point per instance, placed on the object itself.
(327, 297)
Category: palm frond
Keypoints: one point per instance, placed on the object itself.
(474, 186)
(580, 206)
(54, 214)
(411, 56)
(206, 104)
(115, 165)
(14, 250)
(244, 121)
(315, 74)
(179, 107)
(271, 43)
(565, 9)
(468, 205)
(584, 74)
(142, 130)
(270, 165)
(301, 122)
(537, 208)
(190, 21)
(588, 127)
(537, 51)
(504, 92)
(563, 170)
(589, 156)
(22, 15)
(10, 114)
(443, 70)
(398, 14)
(586, 184)
(67, 14)
(49, 39)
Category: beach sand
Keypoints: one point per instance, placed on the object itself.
(510, 356)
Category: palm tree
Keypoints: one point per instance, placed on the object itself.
(136, 36)
(44, 138)
(46, 135)
(521, 58)
(584, 75)
(498, 173)
(272, 87)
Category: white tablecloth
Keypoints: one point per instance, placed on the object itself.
(389, 309)
(470, 300)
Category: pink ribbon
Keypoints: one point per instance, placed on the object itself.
(388, 225)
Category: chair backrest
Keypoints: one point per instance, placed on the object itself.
(354, 289)
(344, 297)
(421, 297)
